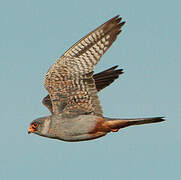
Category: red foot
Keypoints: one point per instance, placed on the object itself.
(114, 130)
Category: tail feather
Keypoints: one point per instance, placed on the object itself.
(116, 124)
(138, 121)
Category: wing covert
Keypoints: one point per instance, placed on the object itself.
(102, 80)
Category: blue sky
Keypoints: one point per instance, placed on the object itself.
(35, 33)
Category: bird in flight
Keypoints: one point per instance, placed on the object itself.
(76, 113)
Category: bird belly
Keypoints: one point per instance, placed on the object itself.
(81, 128)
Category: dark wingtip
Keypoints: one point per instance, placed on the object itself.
(116, 66)
(117, 17)
(120, 71)
(122, 23)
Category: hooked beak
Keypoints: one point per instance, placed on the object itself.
(30, 130)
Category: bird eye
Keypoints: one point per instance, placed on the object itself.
(34, 125)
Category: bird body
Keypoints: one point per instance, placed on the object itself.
(84, 127)
(76, 113)
(74, 128)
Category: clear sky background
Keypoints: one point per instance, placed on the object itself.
(34, 33)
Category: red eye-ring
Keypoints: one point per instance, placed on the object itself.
(34, 125)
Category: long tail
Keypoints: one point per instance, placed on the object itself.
(115, 124)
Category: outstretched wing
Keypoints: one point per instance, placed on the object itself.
(102, 80)
(70, 78)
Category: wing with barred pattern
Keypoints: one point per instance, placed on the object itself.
(71, 76)
(102, 80)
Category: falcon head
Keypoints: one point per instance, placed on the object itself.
(39, 126)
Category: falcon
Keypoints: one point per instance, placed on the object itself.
(76, 113)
